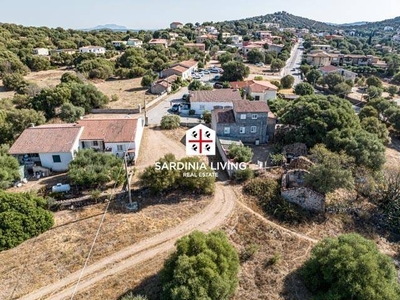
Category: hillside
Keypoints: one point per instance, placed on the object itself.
(379, 25)
(284, 19)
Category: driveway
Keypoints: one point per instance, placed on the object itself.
(155, 113)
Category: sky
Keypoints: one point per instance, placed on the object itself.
(156, 14)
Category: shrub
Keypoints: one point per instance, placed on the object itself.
(258, 77)
(240, 153)
(350, 267)
(14, 81)
(263, 188)
(22, 216)
(207, 117)
(287, 81)
(248, 252)
(204, 266)
(243, 175)
(114, 97)
(9, 167)
(170, 122)
(192, 112)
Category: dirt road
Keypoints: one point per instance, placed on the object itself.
(211, 217)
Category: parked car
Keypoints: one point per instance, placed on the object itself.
(218, 85)
(206, 72)
(214, 71)
(176, 108)
(259, 64)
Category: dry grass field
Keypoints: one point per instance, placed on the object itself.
(129, 91)
(63, 249)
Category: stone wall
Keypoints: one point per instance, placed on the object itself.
(305, 197)
(294, 190)
(300, 162)
(296, 149)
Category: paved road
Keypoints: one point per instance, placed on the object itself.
(155, 113)
(294, 62)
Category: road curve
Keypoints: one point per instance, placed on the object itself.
(212, 216)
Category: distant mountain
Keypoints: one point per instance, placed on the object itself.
(113, 27)
(348, 24)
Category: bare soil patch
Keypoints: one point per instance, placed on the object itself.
(129, 91)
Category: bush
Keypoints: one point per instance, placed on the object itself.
(170, 122)
(258, 77)
(95, 169)
(207, 117)
(243, 175)
(114, 97)
(9, 169)
(276, 83)
(350, 267)
(14, 81)
(192, 112)
(287, 81)
(204, 266)
(264, 188)
(240, 153)
(22, 216)
(248, 252)
(160, 179)
(71, 113)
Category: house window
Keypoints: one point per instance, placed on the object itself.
(202, 107)
(227, 130)
(254, 116)
(120, 148)
(56, 158)
(257, 98)
(242, 130)
(253, 129)
(95, 143)
(243, 116)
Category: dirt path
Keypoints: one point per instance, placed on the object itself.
(161, 145)
(211, 217)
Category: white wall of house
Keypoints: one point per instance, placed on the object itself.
(48, 162)
(200, 107)
(120, 148)
(41, 51)
(264, 96)
(138, 136)
(95, 50)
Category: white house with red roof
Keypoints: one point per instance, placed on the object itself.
(175, 25)
(201, 101)
(332, 69)
(54, 146)
(259, 90)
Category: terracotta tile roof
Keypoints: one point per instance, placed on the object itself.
(109, 130)
(328, 69)
(246, 106)
(222, 95)
(319, 54)
(180, 69)
(255, 86)
(271, 115)
(224, 115)
(46, 139)
(158, 41)
(188, 63)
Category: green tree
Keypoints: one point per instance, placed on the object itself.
(170, 122)
(22, 216)
(393, 90)
(277, 65)
(71, 113)
(334, 270)
(374, 92)
(70, 77)
(255, 56)
(287, 81)
(313, 76)
(235, 71)
(240, 153)
(304, 88)
(204, 266)
(95, 169)
(342, 89)
(147, 80)
(333, 79)
(368, 111)
(305, 69)
(207, 117)
(374, 81)
(375, 126)
(330, 171)
(9, 167)
(14, 81)
(38, 63)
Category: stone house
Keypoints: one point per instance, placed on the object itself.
(246, 121)
(293, 190)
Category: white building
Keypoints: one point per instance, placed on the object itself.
(118, 44)
(41, 51)
(201, 101)
(92, 49)
(54, 146)
(135, 43)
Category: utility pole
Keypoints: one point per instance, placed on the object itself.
(128, 186)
